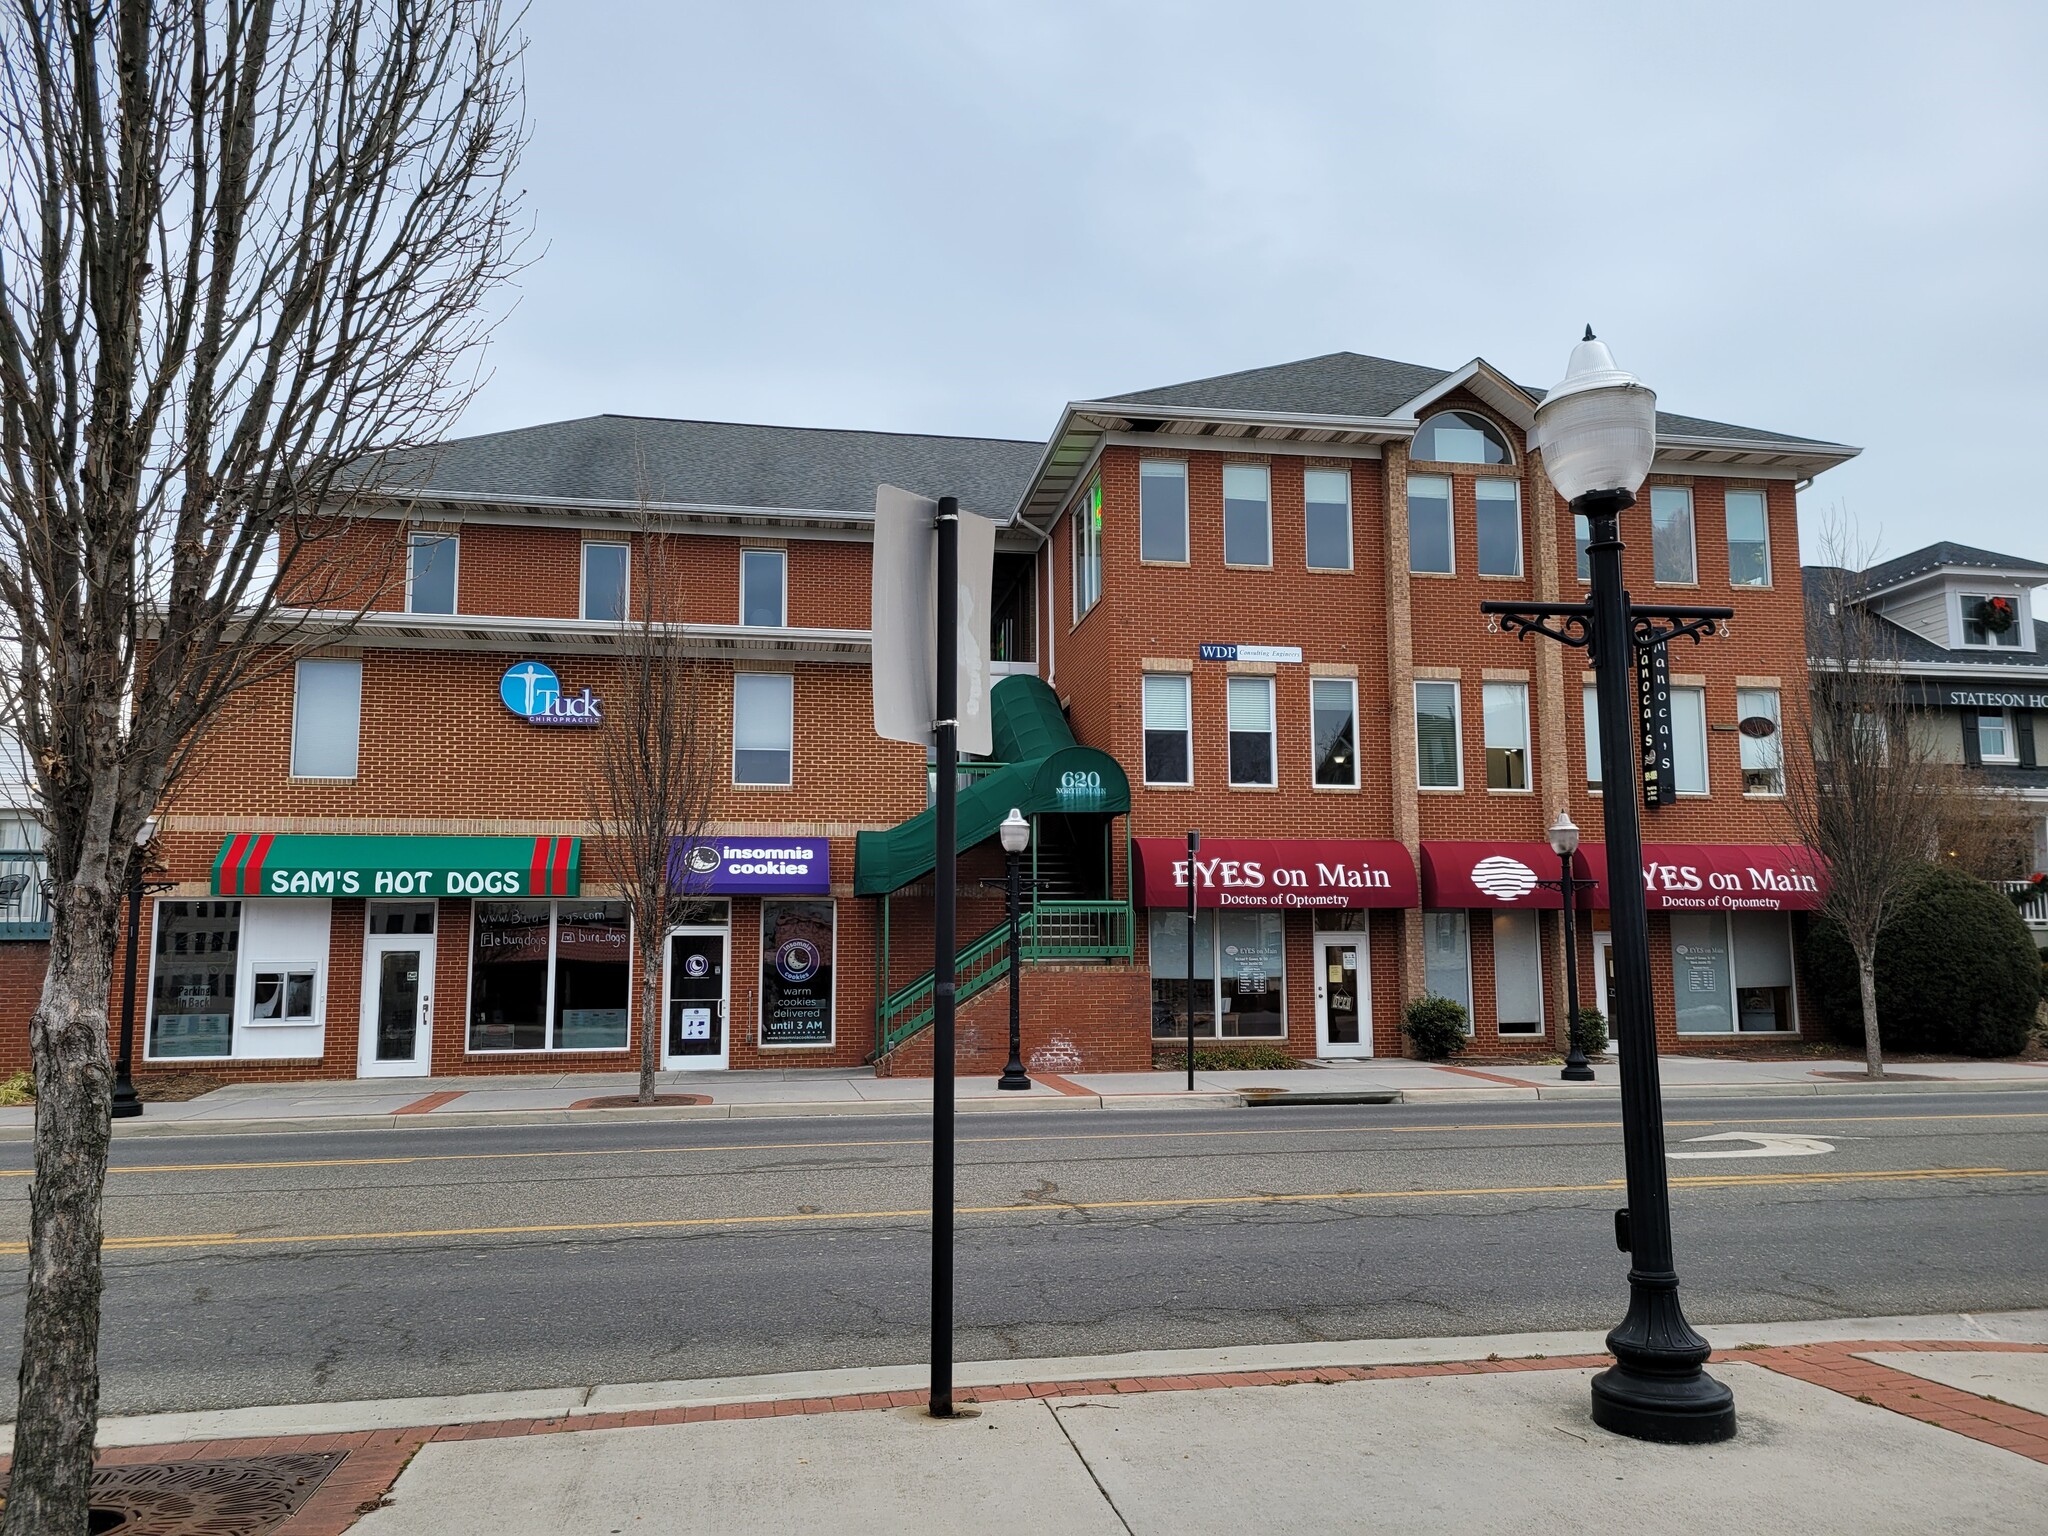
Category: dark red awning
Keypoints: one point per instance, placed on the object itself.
(1275, 872)
(1497, 875)
(1723, 877)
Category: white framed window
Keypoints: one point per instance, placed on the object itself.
(1582, 539)
(1169, 730)
(1506, 707)
(1763, 751)
(1439, 756)
(1333, 712)
(284, 992)
(763, 727)
(1590, 709)
(327, 719)
(1088, 551)
(430, 571)
(1247, 515)
(1974, 621)
(607, 573)
(1240, 974)
(1499, 527)
(1689, 740)
(1163, 511)
(1733, 973)
(1430, 547)
(1249, 703)
(1673, 558)
(764, 588)
(1749, 540)
(1460, 437)
(1326, 517)
(196, 956)
(1517, 973)
(1996, 742)
(1447, 959)
(549, 976)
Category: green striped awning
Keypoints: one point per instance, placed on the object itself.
(290, 864)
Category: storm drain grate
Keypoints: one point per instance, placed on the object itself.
(245, 1496)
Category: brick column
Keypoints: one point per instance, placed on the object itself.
(1400, 620)
(1553, 759)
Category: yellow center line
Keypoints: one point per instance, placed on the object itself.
(402, 1160)
(174, 1240)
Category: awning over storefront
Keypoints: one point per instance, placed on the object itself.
(1275, 872)
(1722, 877)
(1497, 875)
(1677, 877)
(290, 864)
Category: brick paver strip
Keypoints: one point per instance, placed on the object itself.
(1072, 1090)
(430, 1103)
(375, 1458)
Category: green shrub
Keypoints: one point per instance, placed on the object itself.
(16, 1089)
(1436, 1025)
(1227, 1058)
(1590, 1033)
(1956, 971)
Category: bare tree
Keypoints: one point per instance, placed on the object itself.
(1985, 831)
(658, 761)
(245, 249)
(1867, 789)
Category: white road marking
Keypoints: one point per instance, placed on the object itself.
(1767, 1144)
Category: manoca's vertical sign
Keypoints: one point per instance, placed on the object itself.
(1653, 709)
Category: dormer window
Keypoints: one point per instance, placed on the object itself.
(1994, 620)
(1461, 437)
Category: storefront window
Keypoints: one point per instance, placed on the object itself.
(1517, 974)
(1763, 971)
(1447, 959)
(593, 966)
(192, 982)
(1701, 976)
(796, 972)
(549, 976)
(1252, 973)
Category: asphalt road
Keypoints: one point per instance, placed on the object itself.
(293, 1267)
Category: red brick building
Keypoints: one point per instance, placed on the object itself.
(1246, 605)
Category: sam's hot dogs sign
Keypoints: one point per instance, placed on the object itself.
(286, 864)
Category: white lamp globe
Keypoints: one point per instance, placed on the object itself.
(1015, 831)
(1598, 429)
(1564, 836)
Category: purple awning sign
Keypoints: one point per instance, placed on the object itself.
(752, 866)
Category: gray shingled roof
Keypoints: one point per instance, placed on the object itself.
(1352, 384)
(626, 459)
(1920, 561)
(1820, 582)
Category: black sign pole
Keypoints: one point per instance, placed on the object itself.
(944, 876)
(1194, 845)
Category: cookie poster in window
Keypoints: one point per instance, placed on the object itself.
(796, 973)
(1998, 614)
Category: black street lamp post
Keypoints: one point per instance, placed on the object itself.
(1597, 433)
(1564, 842)
(1016, 835)
(127, 1103)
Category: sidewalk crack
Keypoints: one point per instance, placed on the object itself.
(1082, 1457)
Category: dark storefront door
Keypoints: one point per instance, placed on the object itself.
(696, 999)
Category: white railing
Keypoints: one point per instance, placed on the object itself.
(2035, 908)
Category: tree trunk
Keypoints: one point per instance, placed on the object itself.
(49, 1486)
(650, 1021)
(1866, 983)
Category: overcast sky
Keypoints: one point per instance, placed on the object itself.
(955, 216)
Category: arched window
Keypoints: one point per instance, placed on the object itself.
(1461, 437)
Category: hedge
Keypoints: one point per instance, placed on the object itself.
(1956, 971)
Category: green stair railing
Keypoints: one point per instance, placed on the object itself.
(1052, 930)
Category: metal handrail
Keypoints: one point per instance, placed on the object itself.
(24, 900)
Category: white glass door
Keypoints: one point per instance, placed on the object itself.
(1343, 995)
(398, 1005)
(693, 1036)
(1603, 986)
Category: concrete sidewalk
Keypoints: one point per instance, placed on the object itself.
(560, 1097)
(1854, 1426)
